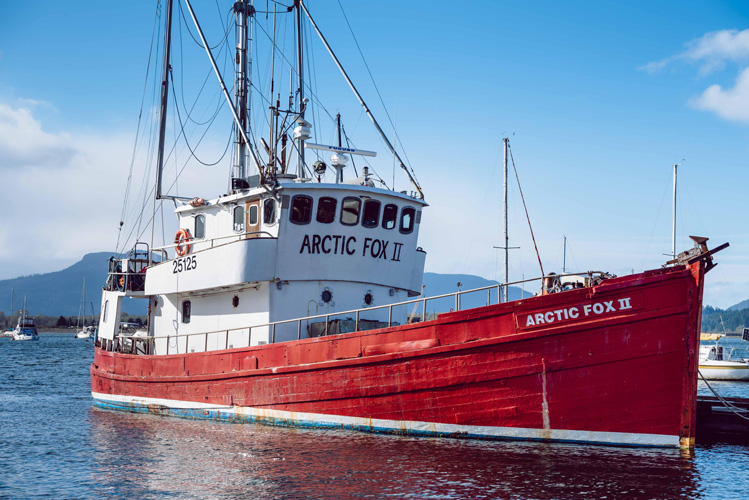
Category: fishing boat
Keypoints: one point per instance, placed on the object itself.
(293, 298)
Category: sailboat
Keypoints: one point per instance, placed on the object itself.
(26, 327)
(83, 331)
(289, 300)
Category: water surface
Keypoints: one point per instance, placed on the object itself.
(53, 443)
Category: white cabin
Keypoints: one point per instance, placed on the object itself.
(257, 258)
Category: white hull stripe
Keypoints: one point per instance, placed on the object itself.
(298, 419)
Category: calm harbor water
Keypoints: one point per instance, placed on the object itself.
(53, 443)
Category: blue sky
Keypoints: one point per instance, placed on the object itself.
(600, 99)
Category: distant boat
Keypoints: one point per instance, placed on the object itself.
(85, 332)
(26, 328)
(719, 362)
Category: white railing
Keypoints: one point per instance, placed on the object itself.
(129, 342)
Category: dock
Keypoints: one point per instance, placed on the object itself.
(724, 420)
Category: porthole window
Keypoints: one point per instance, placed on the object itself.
(199, 227)
(368, 299)
(235, 301)
(371, 214)
(301, 209)
(254, 215)
(186, 311)
(389, 216)
(326, 296)
(239, 219)
(326, 209)
(407, 220)
(269, 211)
(350, 211)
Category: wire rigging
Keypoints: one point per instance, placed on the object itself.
(526, 210)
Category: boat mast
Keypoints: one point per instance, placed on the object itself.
(164, 98)
(564, 256)
(363, 104)
(673, 219)
(507, 236)
(242, 11)
(300, 90)
(241, 129)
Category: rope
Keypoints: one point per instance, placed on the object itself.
(535, 247)
(735, 409)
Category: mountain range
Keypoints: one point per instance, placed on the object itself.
(59, 293)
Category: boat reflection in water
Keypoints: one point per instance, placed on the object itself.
(137, 455)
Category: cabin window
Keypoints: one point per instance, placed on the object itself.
(326, 210)
(350, 211)
(106, 308)
(407, 220)
(199, 227)
(371, 214)
(389, 216)
(239, 219)
(269, 211)
(301, 209)
(186, 310)
(254, 216)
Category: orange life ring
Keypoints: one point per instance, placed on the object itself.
(182, 239)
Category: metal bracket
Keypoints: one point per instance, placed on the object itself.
(699, 252)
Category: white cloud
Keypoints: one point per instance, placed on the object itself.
(24, 143)
(730, 103)
(61, 194)
(711, 51)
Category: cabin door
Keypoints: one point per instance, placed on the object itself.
(252, 213)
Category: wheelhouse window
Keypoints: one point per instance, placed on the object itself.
(407, 220)
(269, 211)
(239, 219)
(350, 209)
(371, 214)
(326, 209)
(199, 227)
(389, 216)
(254, 216)
(301, 209)
(186, 311)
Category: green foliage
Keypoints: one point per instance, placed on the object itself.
(716, 320)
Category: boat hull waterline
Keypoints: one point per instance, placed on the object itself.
(611, 364)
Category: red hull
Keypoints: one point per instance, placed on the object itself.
(602, 364)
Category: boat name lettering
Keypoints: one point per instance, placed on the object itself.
(338, 244)
(580, 311)
(184, 264)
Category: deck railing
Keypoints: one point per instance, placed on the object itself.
(146, 345)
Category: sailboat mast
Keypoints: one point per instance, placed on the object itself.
(164, 98)
(242, 12)
(673, 219)
(507, 236)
